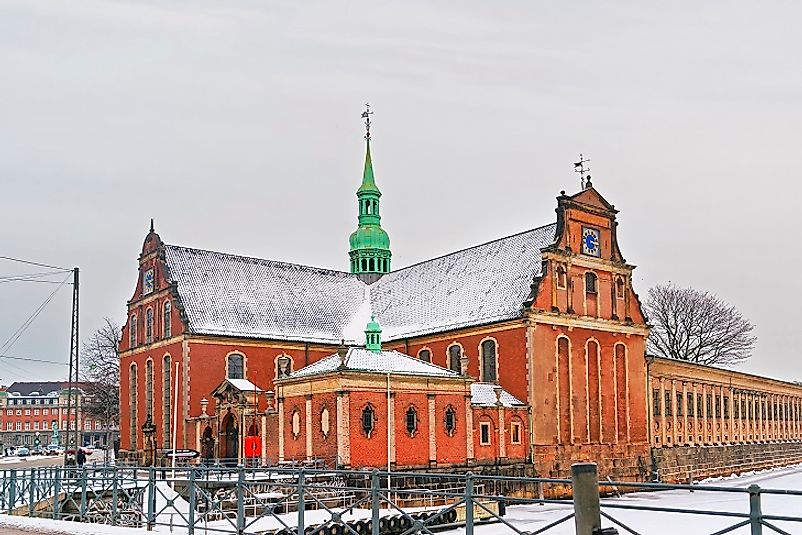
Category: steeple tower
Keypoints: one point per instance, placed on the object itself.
(370, 246)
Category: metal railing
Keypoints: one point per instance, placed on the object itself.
(281, 500)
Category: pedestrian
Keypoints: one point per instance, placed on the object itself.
(80, 457)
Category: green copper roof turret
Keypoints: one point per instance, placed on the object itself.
(369, 243)
(373, 335)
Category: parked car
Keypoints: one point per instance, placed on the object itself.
(54, 449)
(22, 451)
(37, 450)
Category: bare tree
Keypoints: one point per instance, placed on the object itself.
(688, 324)
(101, 367)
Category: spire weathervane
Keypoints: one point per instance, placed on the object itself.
(366, 116)
(582, 169)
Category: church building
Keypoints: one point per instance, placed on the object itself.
(526, 351)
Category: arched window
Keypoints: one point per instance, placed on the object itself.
(425, 355)
(132, 331)
(489, 361)
(149, 326)
(455, 358)
(168, 331)
(235, 366)
(368, 420)
(562, 278)
(296, 423)
(412, 421)
(132, 403)
(590, 282)
(450, 420)
(619, 287)
(325, 424)
(166, 396)
(149, 388)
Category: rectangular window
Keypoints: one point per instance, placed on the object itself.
(709, 405)
(679, 403)
(484, 433)
(690, 404)
(726, 406)
(27, 426)
(19, 426)
(36, 426)
(27, 412)
(669, 404)
(718, 406)
(515, 433)
(699, 407)
(656, 402)
(36, 412)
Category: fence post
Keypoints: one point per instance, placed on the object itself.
(114, 496)
(375, 502)
(240, 499)
(301, 502)
(755, 512)
(585, 484)
(151, 498)
(12, 491)
(191, 491)
(83, 494)
(56, 492)
(31, 492)
(469, 503)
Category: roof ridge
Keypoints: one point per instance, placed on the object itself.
(262, 260)
(469, 248)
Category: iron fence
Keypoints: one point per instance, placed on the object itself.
(285, 500)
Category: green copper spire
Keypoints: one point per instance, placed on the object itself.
(373, 335)
(370, 245)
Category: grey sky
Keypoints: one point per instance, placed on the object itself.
(236, 126)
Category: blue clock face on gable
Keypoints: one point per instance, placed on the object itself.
(590, 241)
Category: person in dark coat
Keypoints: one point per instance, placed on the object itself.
(80, 457)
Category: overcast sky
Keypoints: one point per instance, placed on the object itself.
(236, 126)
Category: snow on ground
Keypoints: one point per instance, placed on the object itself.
(533, 517)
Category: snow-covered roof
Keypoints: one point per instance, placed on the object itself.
(225, 294)
(363, 360)
(230, 295)
(484, 395)
(244, 385)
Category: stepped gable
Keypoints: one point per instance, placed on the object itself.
(229, 295)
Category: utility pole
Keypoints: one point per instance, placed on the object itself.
(72, 379)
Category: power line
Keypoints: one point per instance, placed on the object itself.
(32, 263)
(33, 360)
(22, 328)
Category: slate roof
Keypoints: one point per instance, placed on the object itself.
(360, 359)
(225, 294)
(484, 395)
(24, 388)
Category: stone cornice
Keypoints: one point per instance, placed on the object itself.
(586, 322)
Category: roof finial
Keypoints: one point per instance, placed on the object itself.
(151, 224)
(582, 169)
(366, 116)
